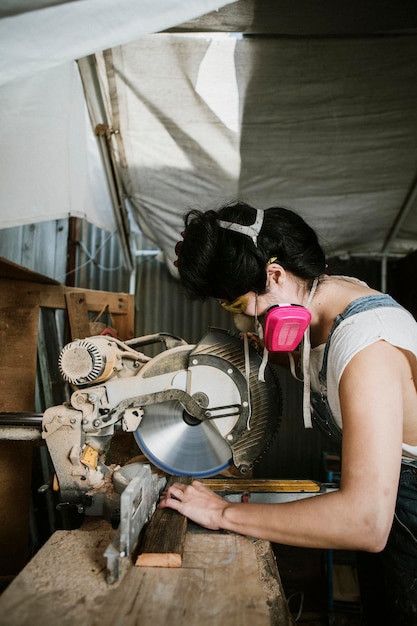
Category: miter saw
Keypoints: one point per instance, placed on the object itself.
(194, 410)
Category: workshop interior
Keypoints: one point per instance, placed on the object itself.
(117, 119)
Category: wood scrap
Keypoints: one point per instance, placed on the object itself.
(162, 543)
(77, 315)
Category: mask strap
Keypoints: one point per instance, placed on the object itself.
(293, 367)
(312, 291)
(250, 231)
(305, 354)
(262, 367)
(247, 376)
(260, 331)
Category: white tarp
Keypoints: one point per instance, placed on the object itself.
(50, 167)
(38, 34)
(327, 127)
(49, 161)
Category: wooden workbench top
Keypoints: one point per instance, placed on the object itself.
(225, 580)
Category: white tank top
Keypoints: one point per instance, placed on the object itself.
(394, 325)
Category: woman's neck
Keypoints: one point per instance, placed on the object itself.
(333, 295)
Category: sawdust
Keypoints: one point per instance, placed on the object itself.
(70, 571)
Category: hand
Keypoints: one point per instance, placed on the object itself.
(195, 501)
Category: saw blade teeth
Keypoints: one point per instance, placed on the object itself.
(180, 448)
(199, 449)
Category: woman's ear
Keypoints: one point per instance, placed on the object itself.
(275, 274)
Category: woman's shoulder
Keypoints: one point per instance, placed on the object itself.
(350, 279)
(392, 324)
(349, 285)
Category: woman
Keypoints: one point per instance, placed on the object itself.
(251, 260)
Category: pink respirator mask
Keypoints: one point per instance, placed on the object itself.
(284, 326)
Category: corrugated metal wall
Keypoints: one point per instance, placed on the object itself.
(40, 247)
(161, 305)
(99, 259)
(43, 247)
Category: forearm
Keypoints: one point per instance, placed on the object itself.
(325, 521)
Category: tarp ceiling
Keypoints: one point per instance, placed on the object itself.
(310, 115)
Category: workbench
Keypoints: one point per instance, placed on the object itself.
(225, 579)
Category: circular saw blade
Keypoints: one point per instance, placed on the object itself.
(178, 447)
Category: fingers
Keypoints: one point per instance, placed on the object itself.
(171, 498)
(179, 488)
(196, 501)
(174, 496)
(176, 491)
(169, 503)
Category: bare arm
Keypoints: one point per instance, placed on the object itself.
(358, 515)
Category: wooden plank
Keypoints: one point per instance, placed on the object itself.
(261, 485)
(18, 349)
(52, 295)
(220, 583)
(14, 271)
(162, 544)
(271, 584)
(125, 323)
(77, 315)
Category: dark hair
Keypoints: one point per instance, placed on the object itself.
(221, 263)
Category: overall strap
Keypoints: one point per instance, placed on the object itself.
(320, 407)
(357, 306)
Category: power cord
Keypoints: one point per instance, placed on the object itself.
(301, 606)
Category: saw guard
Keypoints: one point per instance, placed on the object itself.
(206, 448)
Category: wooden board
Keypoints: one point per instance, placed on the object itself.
(77, 314)
(225, 580)
(120, 305)
(162, 544)
(254, 485)
(23, 294)
(18, 349)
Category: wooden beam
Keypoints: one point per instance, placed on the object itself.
(77, 315)
(18, 349)
(222, 581)
(120, 305)
(162, 544)
(261, 485)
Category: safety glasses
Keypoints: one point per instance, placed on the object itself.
(235, 306)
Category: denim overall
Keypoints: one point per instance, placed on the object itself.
(388, 580)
